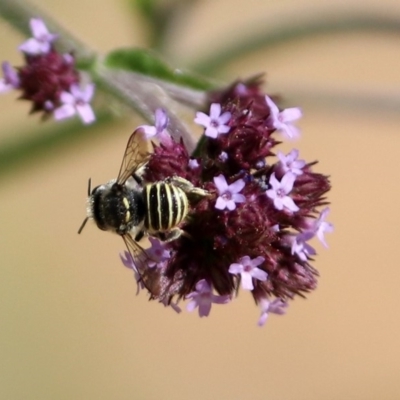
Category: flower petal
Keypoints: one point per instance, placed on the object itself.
(204, 308)
(247, 281)
(65, 111)
(291, 114)
(236, 186)
(215, 110)
(235, 268)
(221, 184)
(259, 274)
(289, 204)
(86, 113)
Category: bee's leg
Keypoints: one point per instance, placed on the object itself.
(139, 236)
(137, 178)
(138, 174)
(171, 235)
(187, 186)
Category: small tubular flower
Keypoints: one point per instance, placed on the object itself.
(10, 80)
(276, 306)
(247, 268)
(160, 125)
(301, 248)
(158, 253)
(41, 41)
(228, 194)
(203, 298)
(320, 226)
(290, 163)
(281, 120)
(76, 101)
(215, 123)
(279, 191)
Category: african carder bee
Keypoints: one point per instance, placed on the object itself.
(131, 208)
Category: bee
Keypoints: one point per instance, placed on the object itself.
(130, 208)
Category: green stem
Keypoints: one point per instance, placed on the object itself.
(43, 142)
(145, 97)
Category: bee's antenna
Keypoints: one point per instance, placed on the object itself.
(83, 225)
(89, 186)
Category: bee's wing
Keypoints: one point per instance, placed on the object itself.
(132, 160)
(150, 277)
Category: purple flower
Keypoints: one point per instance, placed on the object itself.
(76, 101)
(279, 192)
(301, 248)
(215, 123)
(203, 298)
(193, 163)
(160, 125)
(281, 120)
(228, 194)
(247, 268)
(223, 156)
(11, 78)
(41, 41)
(128, 262)
(321, 226)
(276, 306)
(157, 253)
(290, 163)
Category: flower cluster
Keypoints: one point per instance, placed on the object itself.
(253, 229)
(48, 79)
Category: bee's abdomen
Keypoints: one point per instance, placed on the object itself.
(167, 205)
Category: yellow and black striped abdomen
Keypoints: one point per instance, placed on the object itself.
(167, 206)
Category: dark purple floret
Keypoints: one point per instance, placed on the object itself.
(44, 78)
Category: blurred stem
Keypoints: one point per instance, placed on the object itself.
(160, 17)
(40, 144)
(145, 97)
(278, 35)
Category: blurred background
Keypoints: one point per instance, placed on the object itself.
(71, 324)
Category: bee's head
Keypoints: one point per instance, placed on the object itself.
(92, 204)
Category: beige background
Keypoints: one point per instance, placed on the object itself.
(71, 326)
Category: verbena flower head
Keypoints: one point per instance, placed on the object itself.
(48, 78)
(263, 208)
